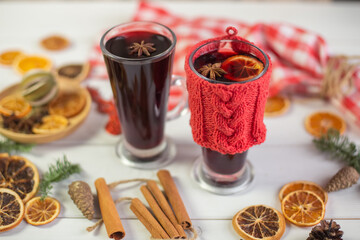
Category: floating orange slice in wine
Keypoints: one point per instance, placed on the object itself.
(242, 67)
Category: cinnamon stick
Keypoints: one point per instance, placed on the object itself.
(114, 227)
(165, 207)
(174, 197)
(147, 219)
(159, 214)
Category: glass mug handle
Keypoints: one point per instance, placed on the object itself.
(178, 98)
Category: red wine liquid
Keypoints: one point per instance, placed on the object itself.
(140, 88)
(220, 57)
(225, 164)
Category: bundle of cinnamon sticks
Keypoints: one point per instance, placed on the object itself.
(166, 222)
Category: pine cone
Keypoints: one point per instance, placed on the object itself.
(80, 193)
(326, 231)
(346, 177)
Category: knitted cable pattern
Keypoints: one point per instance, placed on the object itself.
(227, 118)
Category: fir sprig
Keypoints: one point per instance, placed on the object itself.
(56, 173)
(9, 146)
(339, 147)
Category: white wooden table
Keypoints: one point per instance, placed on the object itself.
(287, 154)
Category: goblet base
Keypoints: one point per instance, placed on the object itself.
(146, 159)
(222, 184)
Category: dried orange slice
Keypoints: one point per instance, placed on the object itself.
(55, 43)
(303, 208)
(68, 104)
(319, 123)
(242, 67)
(259, 222)
(14, 105)
(40, 212)
(11, 209)
(26, 63)
(8, 57)
(51, 124)
(303, 185)
(20, 175)
(276, 106)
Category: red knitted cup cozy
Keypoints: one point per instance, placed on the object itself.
(227, 118)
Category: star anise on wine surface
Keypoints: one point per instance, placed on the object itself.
(212, 70)
(141, 48)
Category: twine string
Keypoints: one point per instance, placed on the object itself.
(338, 74)
(114, 184)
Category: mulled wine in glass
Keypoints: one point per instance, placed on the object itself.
(230, 109)
(139, 58)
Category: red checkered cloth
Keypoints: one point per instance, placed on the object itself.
(299, 56)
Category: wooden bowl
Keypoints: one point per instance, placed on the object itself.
(74, 122)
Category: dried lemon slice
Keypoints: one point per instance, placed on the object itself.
(40, 212)
(55, 43)
(259, 222)
(303, 208)
(276, 106)
(50, 124)
(319, 123)
(14, 105)
(26, 63)
(8, 57)
(11, 209)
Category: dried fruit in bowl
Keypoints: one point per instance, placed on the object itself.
(38, 87)
(68, 103)
(51, 124)
(14, 105)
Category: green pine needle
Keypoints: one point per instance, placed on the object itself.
(9, 146)
(339, 147)
(56, 173)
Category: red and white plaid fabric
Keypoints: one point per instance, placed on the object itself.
(299, 56)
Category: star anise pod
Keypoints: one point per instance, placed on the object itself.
(212, 70)
(141, 48)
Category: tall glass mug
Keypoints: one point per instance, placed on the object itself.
(139, 58)
(228, 110)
